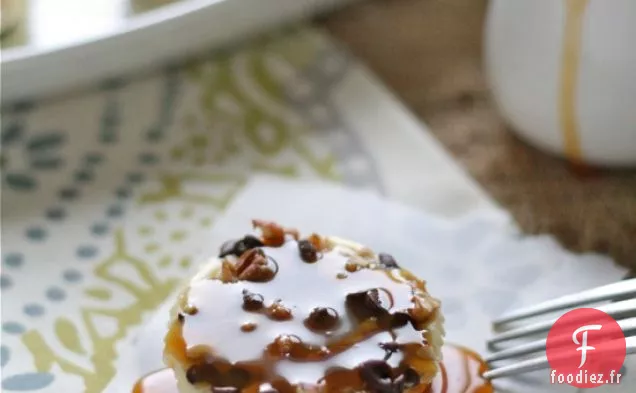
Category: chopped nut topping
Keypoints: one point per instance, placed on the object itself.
(272, 233)
(190, 309)
(284, 345)
(322, 318)
(389, 304)
(278, 312)
(366, 252)
(320, 243)
(352, 267)
(253, 266)
(248, 327)
(228, 272)
(257, 273)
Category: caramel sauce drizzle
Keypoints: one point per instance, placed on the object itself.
(570, 66)
(460, 372)
(314, 321)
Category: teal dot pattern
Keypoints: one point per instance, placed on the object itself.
(99, 229)
(69, 193)
(84, 176)
(72, 276)
(55, 294)
(11, 133)
(36, 234)
(43, 150)
(33, 310)
(27, 382)
(85, 252)
(111, 119)
(135, 177)
(5, 282)
(93, 158)
(115, 211)
(20, 181)
(13, 328)
(56, 213)
(13, 260)
(5, 355)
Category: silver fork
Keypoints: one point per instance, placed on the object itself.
(619, 302)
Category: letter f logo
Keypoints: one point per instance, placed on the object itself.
(583, 343)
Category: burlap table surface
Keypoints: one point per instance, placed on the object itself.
(429, 53)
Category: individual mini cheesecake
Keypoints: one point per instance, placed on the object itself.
(283, 313)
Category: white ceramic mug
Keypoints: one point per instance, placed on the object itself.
(563, 73)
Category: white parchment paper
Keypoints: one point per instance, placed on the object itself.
(478, 265)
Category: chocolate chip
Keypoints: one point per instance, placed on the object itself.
(247, 243)
(376, 375)
(181, 318)
(411, 378)
(322, 318)
(390, 348)
(227, 248)
(252, 301)
(399, 319)
(365, 305)
(387, 261)
(202, 373)
(237, 377)
(238, 247)
(307, 251)
(408, 379)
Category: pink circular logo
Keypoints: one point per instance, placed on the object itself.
(586, 349)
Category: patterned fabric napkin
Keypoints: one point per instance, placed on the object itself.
(108, 194)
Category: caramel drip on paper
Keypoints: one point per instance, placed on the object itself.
(460, 372)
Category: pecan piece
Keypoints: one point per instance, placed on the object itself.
(279, 312)
(273, 235)
(257, 273)
(228, 272)
(255, 256)
(318, 241)
(254, 266)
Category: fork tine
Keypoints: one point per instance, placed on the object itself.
(538, 363)
(616, 310)
(607, 292)
(627, 325)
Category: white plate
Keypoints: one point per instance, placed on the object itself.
(76, 42)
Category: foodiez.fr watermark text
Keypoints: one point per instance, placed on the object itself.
(586, 348)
